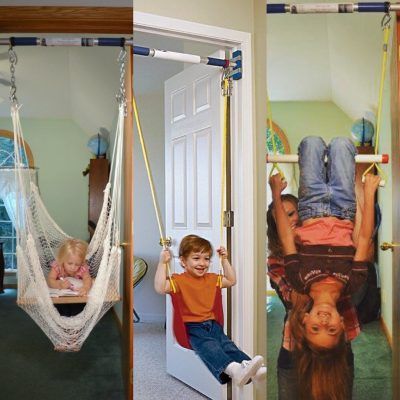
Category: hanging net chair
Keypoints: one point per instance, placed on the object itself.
(39, 237)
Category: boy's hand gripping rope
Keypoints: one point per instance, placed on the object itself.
(165, 243)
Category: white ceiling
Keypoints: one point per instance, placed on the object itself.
(65, 82)
(77, 83)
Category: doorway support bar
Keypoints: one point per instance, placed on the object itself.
(359, 158)
(66, 41)
(235, 62)
(322, 8)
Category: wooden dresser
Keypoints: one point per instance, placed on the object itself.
(98, 178)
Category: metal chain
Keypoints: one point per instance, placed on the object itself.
(12, 56)
(386, 20)
(121, 96)
(226, 82)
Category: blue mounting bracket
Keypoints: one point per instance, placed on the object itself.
(236, 72)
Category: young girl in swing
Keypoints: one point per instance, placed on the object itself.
(70, 271)
(198, 288)
(328, 261)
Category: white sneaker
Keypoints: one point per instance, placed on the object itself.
(259, 378)
(246, 370)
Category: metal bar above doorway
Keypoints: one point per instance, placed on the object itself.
(235, 63)
(66, 41)
(326, 8)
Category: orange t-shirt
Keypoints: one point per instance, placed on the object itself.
(329, 231)
(198, 296)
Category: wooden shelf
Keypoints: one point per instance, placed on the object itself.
(69, 300)
(78, 299)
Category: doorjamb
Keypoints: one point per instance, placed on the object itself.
(243, 161)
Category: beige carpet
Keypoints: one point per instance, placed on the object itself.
(150, 378)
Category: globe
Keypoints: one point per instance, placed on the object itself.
(97, 145)
(362, 132)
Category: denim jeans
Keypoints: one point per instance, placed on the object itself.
(327, 189)
(214, 348)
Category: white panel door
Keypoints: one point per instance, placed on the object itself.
(193, 123)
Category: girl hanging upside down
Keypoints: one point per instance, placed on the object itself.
(198, 288)
(324, 259)
(289, 385)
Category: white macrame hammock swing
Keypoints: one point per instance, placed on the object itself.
(39, 237)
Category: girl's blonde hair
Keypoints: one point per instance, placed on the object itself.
(72, 246)
(194, 243)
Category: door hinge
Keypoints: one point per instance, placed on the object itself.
(228, 219)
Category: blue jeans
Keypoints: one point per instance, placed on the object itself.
(214, 348)
(327, 189)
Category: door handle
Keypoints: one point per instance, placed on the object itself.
(388, 245)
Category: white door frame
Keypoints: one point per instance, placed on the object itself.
(243, 142)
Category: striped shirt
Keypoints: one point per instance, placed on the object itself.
(280, 283)
(314, 263)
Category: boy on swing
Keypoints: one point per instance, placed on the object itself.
(198, 289)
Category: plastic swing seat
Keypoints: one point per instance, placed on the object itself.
(179, 328)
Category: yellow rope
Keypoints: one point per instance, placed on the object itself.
(223, 173)
(386, 33)
(163, 240)
(275, 165)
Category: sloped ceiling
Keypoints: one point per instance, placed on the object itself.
(325, 57)
(64, 82)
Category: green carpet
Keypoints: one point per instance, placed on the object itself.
(372, 356)
(31, 369)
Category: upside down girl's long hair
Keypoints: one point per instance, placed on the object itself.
(323, 374)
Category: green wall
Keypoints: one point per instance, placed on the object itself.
(303, 118)
(60, 153)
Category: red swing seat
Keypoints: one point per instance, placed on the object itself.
(179, 327)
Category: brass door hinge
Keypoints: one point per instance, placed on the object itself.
(228, 219)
